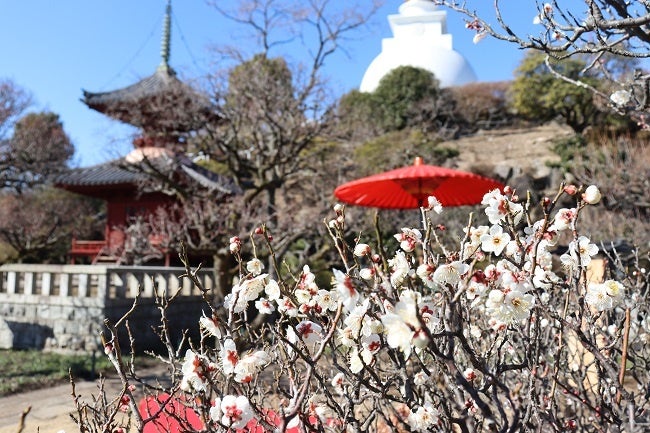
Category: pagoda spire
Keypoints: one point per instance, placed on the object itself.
(166, 39)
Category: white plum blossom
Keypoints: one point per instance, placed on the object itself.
(621, 97)
(348, 294)
(327, 300)
(598, 298)
(582, 250)
(193, 373)
(450, 273)
(478, 37)
(358, 360)
(547, 12)
(272, 290)
(249, 365)
(247, 290)
(264, 306)
(495, 240)
(591, 195)
(499, 207)
(398, 334)
(506, 308)
(337, 382)
(355, 318)
(425, 272)
(434, 204)
(604, 296)
(400, 268)
(229, 356)
(287, 307)
(308, 280)
(309, 331)
(615, 289)
(408, 239)
(255, 266)
(423, 418)
(469, 374)
(233, 412)
(564, 219)
(402, 326)
(475, 291)
(420, 378)
(371, 344)
(210, 326)
(475, 234)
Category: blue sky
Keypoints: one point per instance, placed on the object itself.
(54, 49)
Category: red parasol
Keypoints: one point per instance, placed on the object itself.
(409, 187)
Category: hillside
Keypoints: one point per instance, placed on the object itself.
(520, 156)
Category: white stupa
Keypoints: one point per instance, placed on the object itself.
(420, 39)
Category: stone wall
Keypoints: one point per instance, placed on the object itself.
(63, 307)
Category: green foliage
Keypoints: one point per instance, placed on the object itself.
(38, 149)
(567, 148)
(357, 115)
(540, 96)
(404, 146)
(400, 92)
(32, 369)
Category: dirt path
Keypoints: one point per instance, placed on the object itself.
(51, 407)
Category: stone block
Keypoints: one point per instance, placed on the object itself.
(6, 335)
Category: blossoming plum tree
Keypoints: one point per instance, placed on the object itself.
(495, 335)
(602, 31)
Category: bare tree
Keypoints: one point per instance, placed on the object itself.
(603, 31)
(13, 102)
(39, 223)
(272, 111)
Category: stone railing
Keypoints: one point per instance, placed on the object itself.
(64, 306)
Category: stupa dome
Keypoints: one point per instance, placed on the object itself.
(420, 39)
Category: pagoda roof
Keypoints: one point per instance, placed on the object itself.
(159, 103)
(125, 174)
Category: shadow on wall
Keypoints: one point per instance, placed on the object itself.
(20, 335)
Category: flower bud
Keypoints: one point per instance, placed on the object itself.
(469, 374)
(591, 195)
(338, 208)
(570, 189)
(361, 250)
(367, 273)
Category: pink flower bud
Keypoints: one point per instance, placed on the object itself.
(570, 189)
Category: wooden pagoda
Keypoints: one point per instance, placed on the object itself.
(164, 109)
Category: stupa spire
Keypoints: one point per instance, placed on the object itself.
(165, 44)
